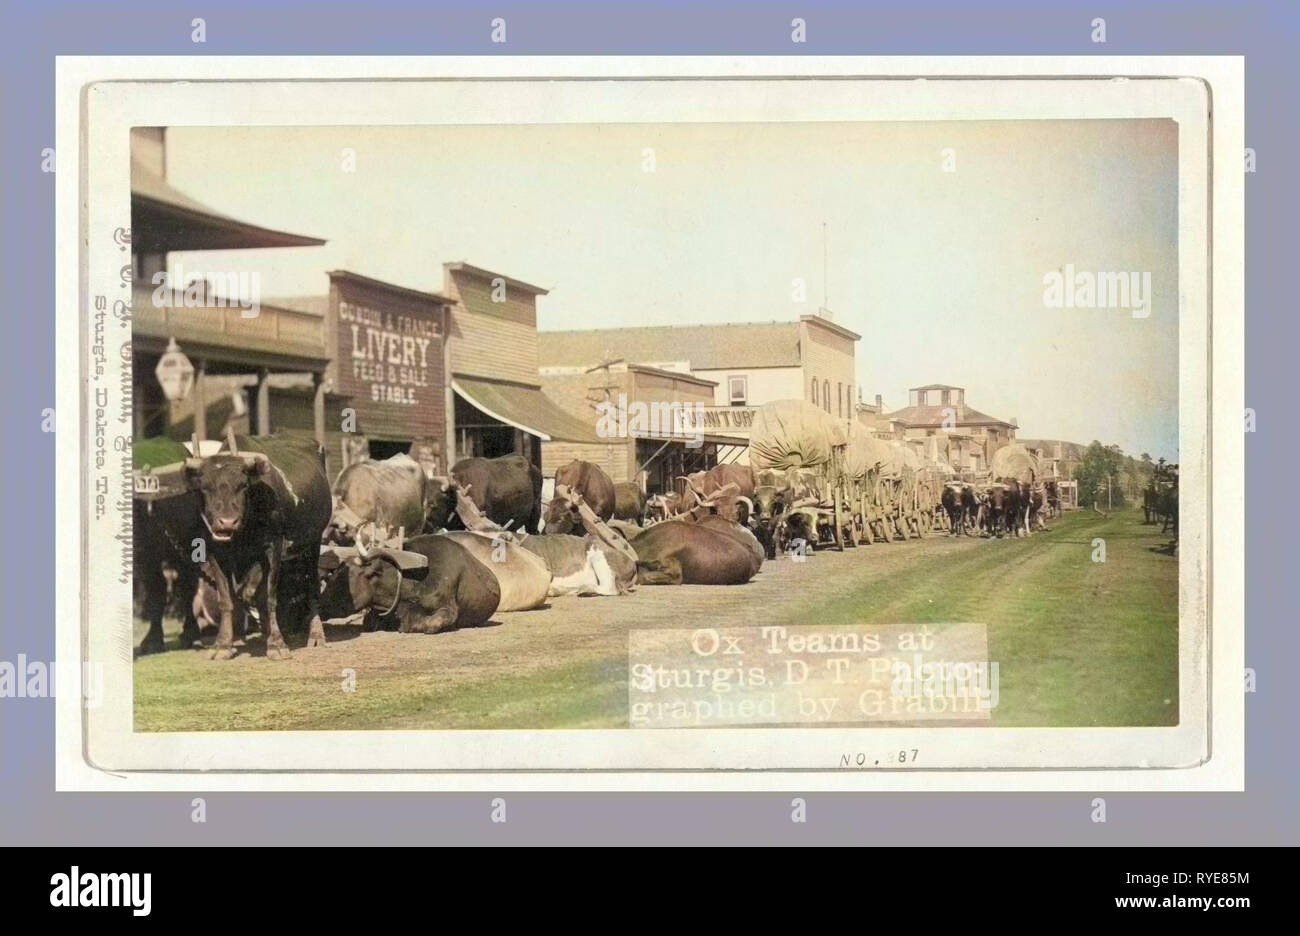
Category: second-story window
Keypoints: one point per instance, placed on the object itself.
(814, 391)
(738, 390)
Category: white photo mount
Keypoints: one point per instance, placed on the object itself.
(101, 99)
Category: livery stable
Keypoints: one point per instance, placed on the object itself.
(430, 373)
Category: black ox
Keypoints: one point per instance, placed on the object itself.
(264, 501)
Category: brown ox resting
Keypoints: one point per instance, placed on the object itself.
(678, 553)
(739, 533)
(454, 590)
(591, 484)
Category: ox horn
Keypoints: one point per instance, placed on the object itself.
(257, 460)
(691, 484)
(362, 550)
(748, 503)
(230, 439)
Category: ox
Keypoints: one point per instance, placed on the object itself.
(677, 553)
(523, 577)
(998, 507)
(960, 503)
(163, 533)
(769, 508)
(507, 490)
(582, 566)
(391, 493)
(453, 590)
(629, 502)
(715, 489)
(265, 500)
(589, 482)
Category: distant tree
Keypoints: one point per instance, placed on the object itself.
(1099, 463)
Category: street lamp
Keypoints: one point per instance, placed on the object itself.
(175, 372)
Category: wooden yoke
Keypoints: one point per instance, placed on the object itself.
(478, 522)
(593, 524)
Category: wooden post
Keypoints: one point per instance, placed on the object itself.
(200, 401)
(263, 404)
(318, 406)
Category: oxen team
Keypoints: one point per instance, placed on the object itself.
(1002, 508)
(258, 528)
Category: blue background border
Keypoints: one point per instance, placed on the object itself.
(32, 34)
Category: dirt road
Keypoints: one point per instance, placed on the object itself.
(565, 665)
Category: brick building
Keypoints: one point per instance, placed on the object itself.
(938, 421)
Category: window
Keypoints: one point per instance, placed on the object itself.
(947, 397)
(814, 391)
(839, 399)
(737, 388)
(826, 395)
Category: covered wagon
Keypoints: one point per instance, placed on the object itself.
(801, 441)
(1014, 462)
(870, 470)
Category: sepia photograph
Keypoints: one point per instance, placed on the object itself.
(857, 385)
(641, 428)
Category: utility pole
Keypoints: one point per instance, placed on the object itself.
(826, 299)
(604, 395)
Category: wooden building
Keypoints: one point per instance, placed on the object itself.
(252, 352)
(939, 422)
(388, 347)
(747, 364)
(652, 449)
(494, 396)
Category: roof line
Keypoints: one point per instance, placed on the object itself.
(460, 266)
(391, 287)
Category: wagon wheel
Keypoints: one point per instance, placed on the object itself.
(866, 521)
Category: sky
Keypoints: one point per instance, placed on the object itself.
(941, 272)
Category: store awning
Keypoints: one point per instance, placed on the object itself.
(526, 408)
(164, 219)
